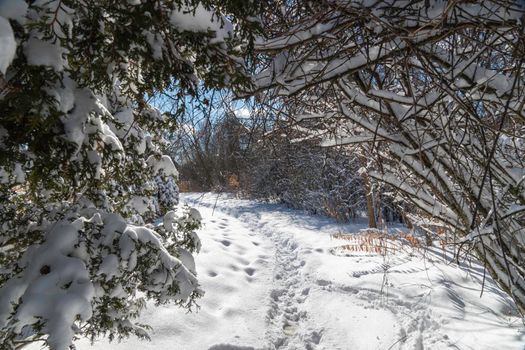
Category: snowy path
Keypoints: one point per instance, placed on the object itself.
(287, 321)
(275, 279)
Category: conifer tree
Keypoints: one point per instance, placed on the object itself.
(80, 149)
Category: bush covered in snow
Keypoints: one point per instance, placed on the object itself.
(321, 181)
(82, 159)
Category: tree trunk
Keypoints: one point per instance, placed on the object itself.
(368, 194)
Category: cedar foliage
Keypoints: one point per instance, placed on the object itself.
(83, 164)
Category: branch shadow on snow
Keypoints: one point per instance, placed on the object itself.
(475, 271)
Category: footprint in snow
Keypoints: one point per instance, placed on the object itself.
(249, 271)
(323, 283)
(289, 329)
(276, 294)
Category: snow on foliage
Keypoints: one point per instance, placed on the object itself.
(164, 165)
(202, 20)
(441, 110)
(83, 170)
(8, 44)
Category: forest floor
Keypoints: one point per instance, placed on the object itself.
(277, 278)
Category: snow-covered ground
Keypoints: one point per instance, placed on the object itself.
(275, 279)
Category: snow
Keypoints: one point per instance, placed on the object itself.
(297, 36)
(202, 20)
(49, 268)
(13, 9)
(7, 43)
(156, 42)
(42, 53)
(55, 283)
(163, 165)
(141, 204)
(277, 278)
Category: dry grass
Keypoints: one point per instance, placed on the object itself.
(233, 183)
(378, 242)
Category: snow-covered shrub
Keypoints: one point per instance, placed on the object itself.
(167, 193)
(80, 151)
(303, 176)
